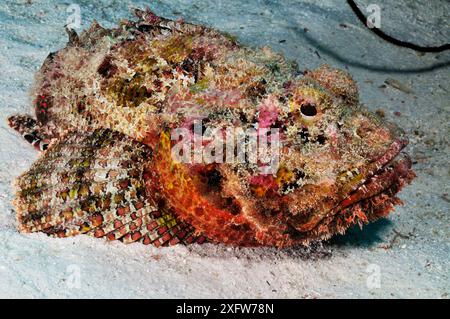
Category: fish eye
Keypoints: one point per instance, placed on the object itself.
(308, 109)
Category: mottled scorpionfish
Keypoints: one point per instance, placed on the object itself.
(107, 103)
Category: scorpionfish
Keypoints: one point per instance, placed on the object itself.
(108, 104)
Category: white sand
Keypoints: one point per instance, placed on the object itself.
(415, 264)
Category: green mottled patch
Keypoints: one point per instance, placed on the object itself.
(128, 93)
(176, 49)
(200, 86)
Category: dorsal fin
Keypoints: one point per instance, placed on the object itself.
(74, 40)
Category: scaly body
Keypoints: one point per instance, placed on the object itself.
(112, 98)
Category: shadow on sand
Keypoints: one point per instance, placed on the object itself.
(370, 235)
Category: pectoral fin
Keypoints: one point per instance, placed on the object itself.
(94, 183)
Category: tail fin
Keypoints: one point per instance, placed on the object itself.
(28, 128)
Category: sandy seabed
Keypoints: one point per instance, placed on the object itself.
(404, 256)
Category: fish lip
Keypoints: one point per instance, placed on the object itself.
(393, 159)
(380, 165)
(397, 164)
(393, 151)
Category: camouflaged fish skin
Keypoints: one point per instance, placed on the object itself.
(94, 183)
(110, 99)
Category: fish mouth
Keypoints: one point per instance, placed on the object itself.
(380, 174)
(372, 198)
(386, 177)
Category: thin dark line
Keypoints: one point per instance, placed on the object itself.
(392, 40)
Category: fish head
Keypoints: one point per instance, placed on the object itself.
(340, 163)
(336, 164)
